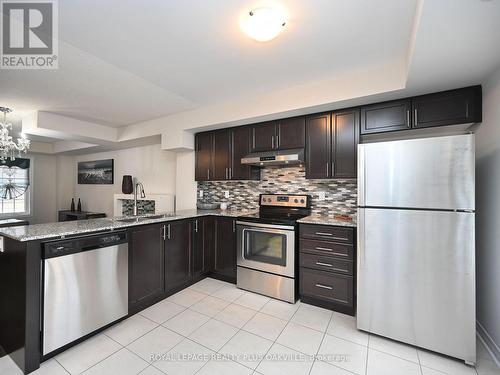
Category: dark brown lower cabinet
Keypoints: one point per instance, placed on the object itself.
(146, 264)
(327, 273)
(203, 245)
(225, 248)
(178, 248)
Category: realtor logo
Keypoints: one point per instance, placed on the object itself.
(29, 34)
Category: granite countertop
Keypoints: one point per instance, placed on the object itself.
(328, 220)
(70, 228)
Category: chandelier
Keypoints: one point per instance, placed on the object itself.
(8, 148)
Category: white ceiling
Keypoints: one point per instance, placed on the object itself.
(124, 62)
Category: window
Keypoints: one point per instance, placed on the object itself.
(14, 187)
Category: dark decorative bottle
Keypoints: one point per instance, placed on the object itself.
(79, 208)
(72, 204)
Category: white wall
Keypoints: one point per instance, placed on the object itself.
(44, 195)
(155, 168)
(488, 211)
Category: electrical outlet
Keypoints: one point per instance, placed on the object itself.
(201, 193)
(226, 193)
(321, 195)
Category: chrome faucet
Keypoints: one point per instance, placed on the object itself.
(138, 185)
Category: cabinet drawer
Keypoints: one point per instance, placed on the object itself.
(327, 286)
(337, 250)
(327, 233)
(326, 263)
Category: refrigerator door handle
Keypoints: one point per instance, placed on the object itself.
(361, 239)
(361, 175)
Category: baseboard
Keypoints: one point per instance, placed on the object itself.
(488, 342)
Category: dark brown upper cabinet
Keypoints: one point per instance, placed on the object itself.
(452, 107)
(318, 146)
(385, 117)
(263, 136)
(345, 139)
(331, 144)
(222, 154)
(278, 135)
(240, 147)
(204, 153)
(291, 133)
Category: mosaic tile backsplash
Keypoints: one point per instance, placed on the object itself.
(340, 195)
(143, 207)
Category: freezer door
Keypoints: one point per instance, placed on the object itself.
(416, 278)
(427, 173)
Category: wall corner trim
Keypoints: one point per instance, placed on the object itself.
(488, 342)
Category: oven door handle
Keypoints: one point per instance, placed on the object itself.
(266, 226)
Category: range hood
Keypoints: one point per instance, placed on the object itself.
(275, 158)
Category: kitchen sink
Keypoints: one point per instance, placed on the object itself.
(131, 219)
(142, 218)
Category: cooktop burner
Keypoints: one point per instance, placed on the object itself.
(280, 209)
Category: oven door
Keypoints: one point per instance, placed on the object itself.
(266, 247)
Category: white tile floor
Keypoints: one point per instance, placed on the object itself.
(213, 328)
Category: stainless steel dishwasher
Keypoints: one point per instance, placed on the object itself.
(85, 286)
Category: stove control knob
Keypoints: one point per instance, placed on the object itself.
(301, 201)
(296, 200)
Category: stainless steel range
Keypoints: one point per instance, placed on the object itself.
(266, 246)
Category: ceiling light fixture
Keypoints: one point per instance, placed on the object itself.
(8, 148)
(263, 24)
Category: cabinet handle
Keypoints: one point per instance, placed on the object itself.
(324, 264)
(277, 141)
(333, 168)
(327, 169)
(234, 226)
(407, 118)
(226, 173)
(324, 286)
(196, 225)
(230, 173)
(323, 234)
(208, 174)
(164, 233)
(272, 142)
(323, 248)
(168, 234)
(415, 112)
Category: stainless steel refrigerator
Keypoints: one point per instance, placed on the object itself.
(416, 251)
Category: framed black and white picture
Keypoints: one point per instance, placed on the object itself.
(98, 172)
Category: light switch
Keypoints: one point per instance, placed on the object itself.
(321, 196)
(226, 193)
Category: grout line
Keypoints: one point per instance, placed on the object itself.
(367, 354)
(321, 343)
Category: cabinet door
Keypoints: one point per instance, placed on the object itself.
(146, 260)
(318, 146)
(198, 247)
(225, 247)
(240, 147)
(345, 139)
(208, 244)
(203, 245)
(447, 108)
(263, 136)
(221, 154)
(384, 117)
(291, 133)
(178, 248)
(204, 146)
